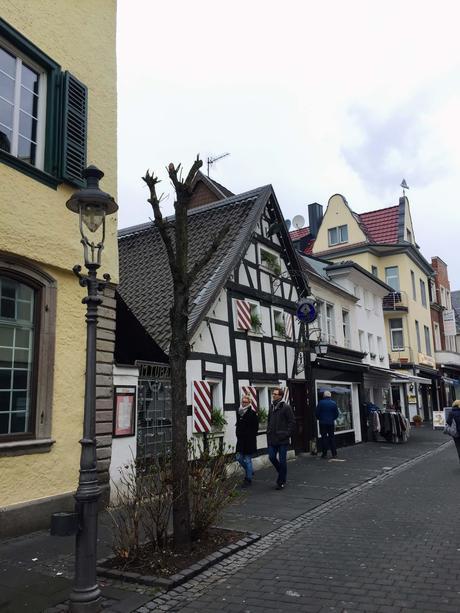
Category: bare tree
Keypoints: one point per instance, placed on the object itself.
(182, 277)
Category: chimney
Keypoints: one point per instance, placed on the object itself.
(315, 217)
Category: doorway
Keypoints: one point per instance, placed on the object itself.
(304, 432)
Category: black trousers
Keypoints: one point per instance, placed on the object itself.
(457, 445)
(327, 438)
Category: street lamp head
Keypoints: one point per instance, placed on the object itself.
(92, 205)
(322, 347)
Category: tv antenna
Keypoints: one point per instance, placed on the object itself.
(210, 161)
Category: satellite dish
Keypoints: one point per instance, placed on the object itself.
(287, 223)
(298, 222)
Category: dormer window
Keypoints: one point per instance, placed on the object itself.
(338, 235)
(409, 235)
(270, 260)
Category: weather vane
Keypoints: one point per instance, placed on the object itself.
(404, 186)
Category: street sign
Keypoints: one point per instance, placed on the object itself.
(307, 311)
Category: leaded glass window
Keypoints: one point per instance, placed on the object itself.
(16, 356)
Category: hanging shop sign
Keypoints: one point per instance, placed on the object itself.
(448, 320)
(307, 310)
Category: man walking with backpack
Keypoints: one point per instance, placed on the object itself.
(280, 428)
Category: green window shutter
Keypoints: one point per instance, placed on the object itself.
(74, 129)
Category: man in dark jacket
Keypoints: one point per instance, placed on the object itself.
(280, 428)
(455, 414)
(247, 426)
(326, 413)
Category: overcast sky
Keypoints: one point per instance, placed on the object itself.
(313, 97)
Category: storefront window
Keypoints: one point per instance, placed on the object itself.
(341, 393)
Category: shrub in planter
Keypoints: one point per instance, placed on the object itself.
(417, 420)
(271, 261)
(280, 330)
(263, 416)
(211, 487)
(256, 323)
(218, 420)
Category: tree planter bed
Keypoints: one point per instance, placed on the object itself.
(173, 569)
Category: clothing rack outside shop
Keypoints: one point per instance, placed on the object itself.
(390, 425)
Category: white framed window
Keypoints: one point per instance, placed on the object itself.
(427, 340)
(412, 279)
(375, 271)
(270, 260)
(338, 235)
(330, 323)
(437, 336)
(279, 323)
(417, 333)
(443, 297)
(371, 343)
(392, 277)
(423, 292)
(319, 323)
(256, 317)
(346, 328)
(409, 235)
(368, 300)
(396, 334)
(448, 300)
(380, 348)
(362, 341)
(22, 106)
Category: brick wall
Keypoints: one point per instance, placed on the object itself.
(104, 382)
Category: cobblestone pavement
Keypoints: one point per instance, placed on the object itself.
(387, 545)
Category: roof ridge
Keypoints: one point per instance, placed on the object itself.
(123, 232)
(385, 208)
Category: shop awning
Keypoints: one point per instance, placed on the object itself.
(340, 364)
(399, 377)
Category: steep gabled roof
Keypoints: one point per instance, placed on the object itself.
(145, 279)
(381, 226)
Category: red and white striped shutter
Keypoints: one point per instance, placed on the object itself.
(202, 401)
(243, 313)
(288, 324)
(286, 395)
(249, 390)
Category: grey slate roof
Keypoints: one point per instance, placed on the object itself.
(145, 279)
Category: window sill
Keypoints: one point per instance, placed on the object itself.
(26, 447)
(30, 171)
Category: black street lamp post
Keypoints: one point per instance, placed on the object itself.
(92, 205)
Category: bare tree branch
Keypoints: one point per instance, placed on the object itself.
(197, 164)
(151, 180)
(183, 188)
(210, 252)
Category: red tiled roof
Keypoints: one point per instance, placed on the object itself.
(309, 248)
(296, 234)
(381, 226)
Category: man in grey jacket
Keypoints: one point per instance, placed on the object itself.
(280, 428)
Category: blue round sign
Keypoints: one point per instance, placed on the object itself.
(306, 311)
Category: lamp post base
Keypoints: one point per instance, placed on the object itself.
(86, 601)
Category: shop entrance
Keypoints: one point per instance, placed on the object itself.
(299, 392)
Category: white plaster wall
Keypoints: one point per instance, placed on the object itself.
(269, 358)
(124, 449)
(229, 392)
(219, 308)
(193, 374)
(256, 354)
(241, 355)
(221, 338)
(242, 276)
(265, 314)
(281, 358)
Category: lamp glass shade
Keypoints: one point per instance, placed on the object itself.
(322, 347)
(92, 215)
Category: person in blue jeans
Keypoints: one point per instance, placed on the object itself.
(280, 428)
(247, 426)
(326, 413)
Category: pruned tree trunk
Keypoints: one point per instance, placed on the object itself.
(182, 278)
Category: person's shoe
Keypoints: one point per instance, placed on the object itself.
(324, 456)
(246, 483)
(280, 486)
(334, 455)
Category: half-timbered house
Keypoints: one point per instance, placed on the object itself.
(242, 330)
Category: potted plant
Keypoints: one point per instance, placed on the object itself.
(417, 420)
(256, 322)
(373, 356)
(280, 329)
(271, 261)
(218, 421)
(263, 417)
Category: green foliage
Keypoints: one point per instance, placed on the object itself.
(218, 420)
(256, 322)
(270, 260)
(280, 329)
(263, 415)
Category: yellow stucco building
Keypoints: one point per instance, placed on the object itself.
(383, 242)
(57, 115)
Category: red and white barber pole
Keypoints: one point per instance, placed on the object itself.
(249, 390)
(201, 407)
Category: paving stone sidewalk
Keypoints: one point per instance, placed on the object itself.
(387, 545)
(36, 570)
